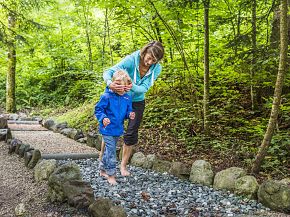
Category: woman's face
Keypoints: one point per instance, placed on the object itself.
(149, 59)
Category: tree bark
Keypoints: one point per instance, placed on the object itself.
(278, 89)
(206, 67)
(10, 82)
(104, 39)
(109, 39)
(87, 28)
(254, 48)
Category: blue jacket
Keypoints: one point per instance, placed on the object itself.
(131, 64)
(115, 107)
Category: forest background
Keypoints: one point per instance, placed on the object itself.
(62, 48)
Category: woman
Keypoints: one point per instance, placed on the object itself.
(143, 68)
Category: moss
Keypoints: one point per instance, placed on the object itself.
(81, 117)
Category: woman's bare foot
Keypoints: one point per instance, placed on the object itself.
(104, 174)
(112, 180)
(124, 171)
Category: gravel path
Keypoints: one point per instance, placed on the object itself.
(149, 194)
(49, 142)
(17, 186)
(28, 127)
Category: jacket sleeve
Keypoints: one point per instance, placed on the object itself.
(147, 83)
(125, 64)
(129, 107)
(100, 108)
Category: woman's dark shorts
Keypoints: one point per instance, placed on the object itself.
(131, 135)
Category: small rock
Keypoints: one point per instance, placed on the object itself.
(20, 209)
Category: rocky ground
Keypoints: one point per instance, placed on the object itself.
(151, 194)
(17, 186)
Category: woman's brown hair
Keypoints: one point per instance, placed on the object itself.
(155, 48)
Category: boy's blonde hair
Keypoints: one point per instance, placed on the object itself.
(122, 76)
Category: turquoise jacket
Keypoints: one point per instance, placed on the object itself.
(131, 64)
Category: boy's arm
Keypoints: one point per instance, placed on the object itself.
(100, 108)
(147, 83)
(125, 64)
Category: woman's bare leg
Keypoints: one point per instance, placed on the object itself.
(127, 150)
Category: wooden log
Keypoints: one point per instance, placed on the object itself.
(73, 156)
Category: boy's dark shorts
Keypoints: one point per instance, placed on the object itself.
(131, 135)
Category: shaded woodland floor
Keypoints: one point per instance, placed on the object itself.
(169, 148)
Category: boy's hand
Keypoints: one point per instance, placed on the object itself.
(106, 122)
(132, 115)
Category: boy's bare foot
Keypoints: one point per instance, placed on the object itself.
(104, 174)
(112, 180)
(124, 171)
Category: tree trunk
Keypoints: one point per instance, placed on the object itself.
(278, 89)
(174, 37)
(206, 66)
(254, 48)
(87, 29)
(104, 39)
(91, 64)
(109, 39)
(10, 82)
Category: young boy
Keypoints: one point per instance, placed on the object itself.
(111, 110)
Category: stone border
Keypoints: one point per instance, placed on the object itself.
(62, 185)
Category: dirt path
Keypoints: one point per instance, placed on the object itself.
(17, 186)
(49, 142)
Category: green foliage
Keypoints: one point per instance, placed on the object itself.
(278, 154)
(80, 118)
(60, 66)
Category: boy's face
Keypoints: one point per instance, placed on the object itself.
(121, 82)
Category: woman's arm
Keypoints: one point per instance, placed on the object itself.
(125, 64)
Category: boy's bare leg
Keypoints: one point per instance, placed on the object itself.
(103, 173)
(127, 150)
(112, 180)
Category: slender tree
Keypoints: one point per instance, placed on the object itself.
(10, 81)
(83, 13)
(206, 66)
(14, 12)
(104, 38)
(278, 89)
(254, 48)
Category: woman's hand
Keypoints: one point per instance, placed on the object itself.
(132, 115)
(106, 122)
(128, 87)
(116, 86)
